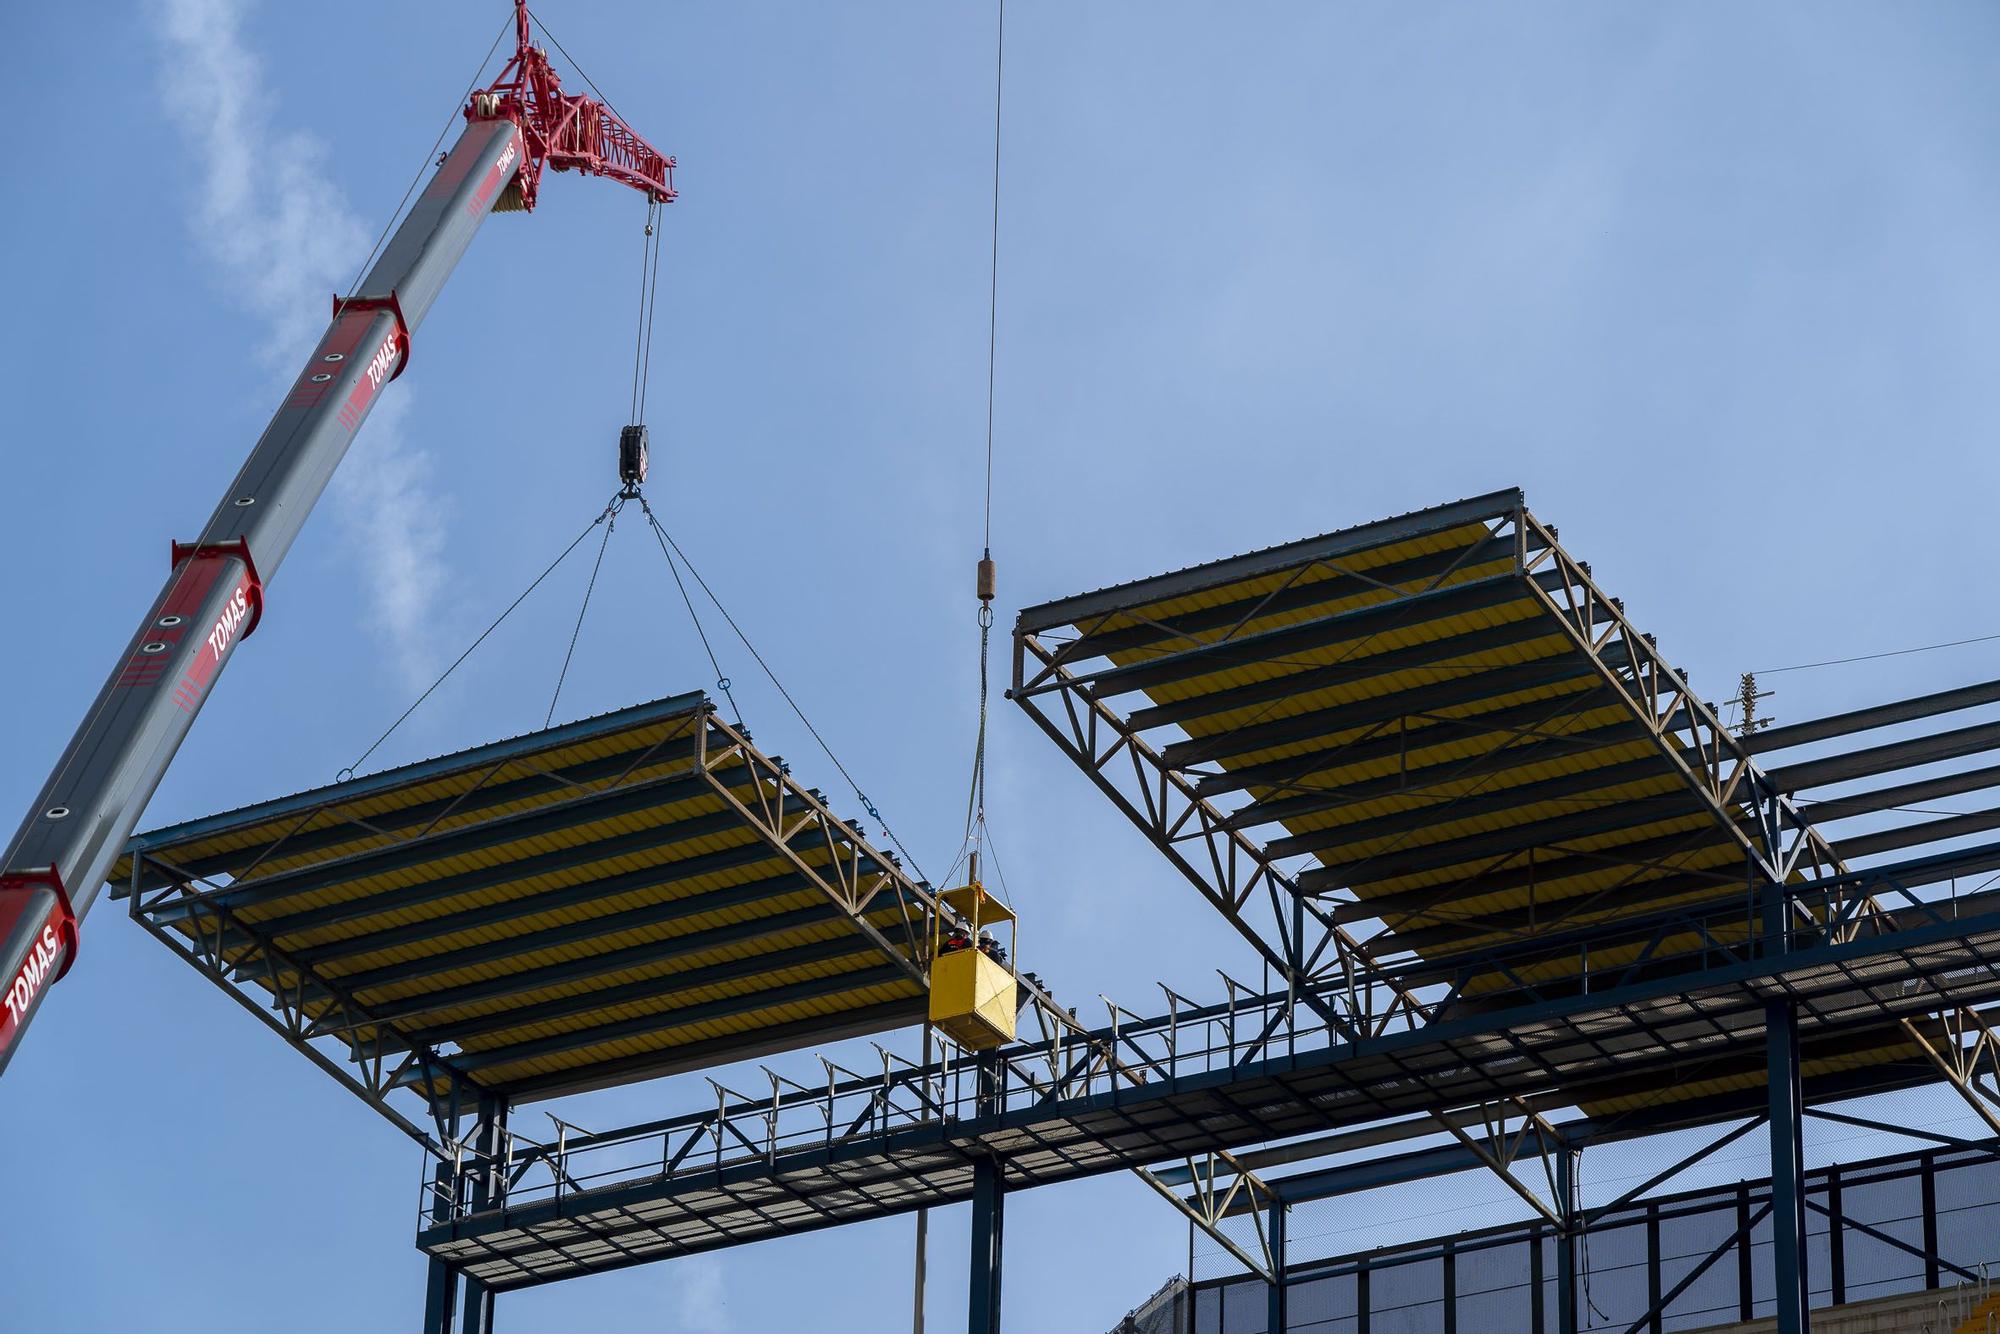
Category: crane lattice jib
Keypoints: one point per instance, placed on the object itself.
(214, 592)
(565, 132)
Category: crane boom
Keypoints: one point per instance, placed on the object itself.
(214, 592)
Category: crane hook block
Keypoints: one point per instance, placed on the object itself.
(986, 578)
(632, 455)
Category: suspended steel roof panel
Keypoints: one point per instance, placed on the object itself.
(1434, 713)
(630, 895)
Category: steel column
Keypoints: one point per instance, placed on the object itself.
(988, 1218)
(488, 1183)
(441, 1282)
(1276, 1320)
(1788, 1206)
(1566, 1239)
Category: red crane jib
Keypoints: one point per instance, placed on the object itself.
(52, 870)
(564, 132)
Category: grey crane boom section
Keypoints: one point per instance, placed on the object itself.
(213, 595)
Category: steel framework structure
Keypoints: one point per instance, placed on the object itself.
(1687, 1257)
(1500, 858)
(1214, 1078)
(1294, 920)
(244, 899)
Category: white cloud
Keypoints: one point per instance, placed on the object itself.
(284, 239)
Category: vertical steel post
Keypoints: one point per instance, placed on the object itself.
(1788, 1205)
(441, 1281)
(923, 1243)
(1655, 1319)
(1746, 1279)
(988, 1219)
(486, 1189)
(1275, 1321)
(1566, 1240)
(1448, 1285)
(1537, 1304)
(1927, 1177)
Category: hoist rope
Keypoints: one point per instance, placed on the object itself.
(873, 813)
(993, 273)
(722, 681)
(975, 800)
(611, 526)
(649, 286)
(430, 159)
(652, 308)
(431, 689)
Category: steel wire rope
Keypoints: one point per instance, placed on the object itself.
(651, 296)
(562, 50)
(722, 681)
(649, 290)
(403, 717)
(589, 588)
(975, 800)
(763, 665)
(457, 107)
(1871, 657)
(181, 573)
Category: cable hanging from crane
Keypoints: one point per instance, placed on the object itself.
(603, 516)
(975, 802)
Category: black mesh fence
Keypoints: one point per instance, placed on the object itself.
(1874, 1229)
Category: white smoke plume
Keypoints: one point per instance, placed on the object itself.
(283, 239)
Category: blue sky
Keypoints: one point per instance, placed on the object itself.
(1715, 283)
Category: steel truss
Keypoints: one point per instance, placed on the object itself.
(1207, 1079)
(199, 917)
(1742, 1208)
(1299, 932)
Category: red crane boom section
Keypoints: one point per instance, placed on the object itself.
(564, 132)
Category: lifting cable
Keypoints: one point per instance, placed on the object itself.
(722, 681)
(649, 289)
(610, 526)
(672, 547)
(975, 800)
(431, 160)
(604, 516)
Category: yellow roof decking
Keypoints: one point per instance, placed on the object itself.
(1405, 706)
(628, 896)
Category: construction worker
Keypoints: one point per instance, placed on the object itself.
(990, 947)
(956, 939)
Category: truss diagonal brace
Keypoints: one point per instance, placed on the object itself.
(1962, 1064)
(1211, 1203)
(1499, 1149)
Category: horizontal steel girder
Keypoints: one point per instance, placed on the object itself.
(1649, 1030)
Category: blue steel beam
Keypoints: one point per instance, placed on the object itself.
(345, 828)
(1047, 1133)
(729, 1007)
(1217, 574)
(482, 837)
(529, 905)
(610, 924)
(1508, 635)
(649, 989)
(1198, 627)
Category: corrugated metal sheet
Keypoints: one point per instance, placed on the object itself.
(1414, 716)
(564, 906)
